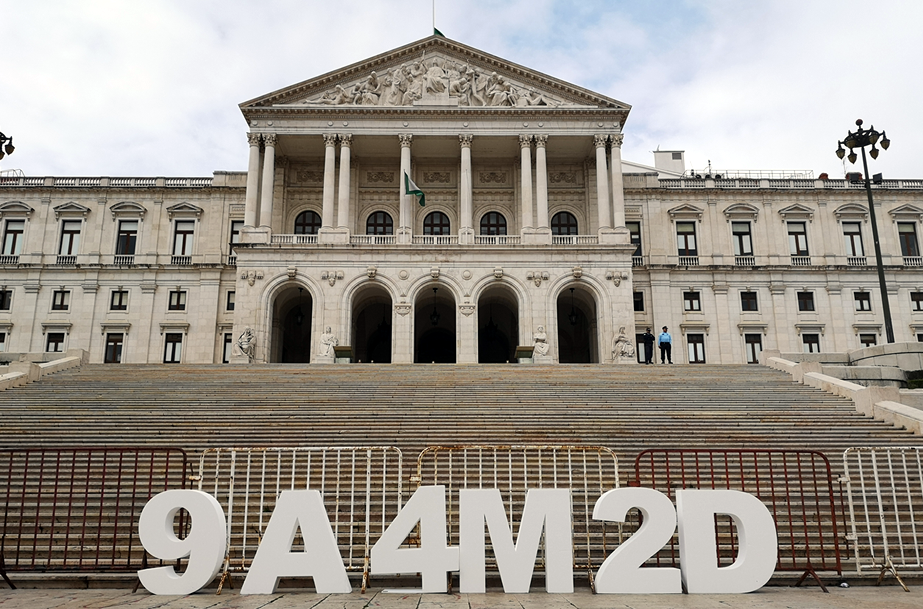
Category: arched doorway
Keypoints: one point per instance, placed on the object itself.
(434, 326)
(498, 326)
(371, 331)
(577, 327)
(292, 318)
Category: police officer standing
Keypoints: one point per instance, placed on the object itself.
(648, 339)
(666, 346)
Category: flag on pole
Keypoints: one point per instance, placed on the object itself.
(412, 189)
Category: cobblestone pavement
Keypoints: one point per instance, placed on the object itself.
(770, 597)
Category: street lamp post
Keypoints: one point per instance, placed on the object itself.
(860, 139)
(6, 145)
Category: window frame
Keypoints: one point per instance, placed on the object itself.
(126, 240)
(566, 222)
(695, 348)
(227, 346)
(122, 297)
(437, 223)
(683, 248)
(51, 336)
(909, 248)
(638, 299)
(301, 226)
(173, 347)
(746, 301)
(70, 237)
(60, 300)
(753, 354)
(853, 237)
(379, 222)
(13, 239)
(862, 301)
(494, 222)
(742, 247)
(806, 298)
(634, 236)
(177, 300)
(183, 240)
(6, 300)
(692, 302)
(110, 344)
(916, 301)
(795, 238)
(808, 345)
(868, 339)
(230, 300)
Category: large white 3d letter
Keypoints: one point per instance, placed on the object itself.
(434, 559)
(205, 545)
(756, 534)
(274, 558)
(544, 508)
(622, 572)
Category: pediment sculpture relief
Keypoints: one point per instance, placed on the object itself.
(436, 80)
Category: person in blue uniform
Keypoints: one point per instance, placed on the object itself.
(666, 346)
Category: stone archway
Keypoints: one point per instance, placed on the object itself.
(371, 326)
(434, 326)
(498, 326)
(292, 320)
(578, 340)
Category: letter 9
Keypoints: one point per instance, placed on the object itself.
(206, 544)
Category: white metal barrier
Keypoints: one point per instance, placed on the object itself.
(589, 471)
(361, 485)
(883, 487)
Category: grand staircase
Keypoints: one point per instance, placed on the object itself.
(627, 409)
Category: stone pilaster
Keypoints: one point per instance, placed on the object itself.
(466, 228)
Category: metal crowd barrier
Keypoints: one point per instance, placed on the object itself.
(77, 509)
(361, 487)
(883, 487)
(589, 471)
(796, 486)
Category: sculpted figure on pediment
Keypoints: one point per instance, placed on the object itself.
(435, 77)
(371, 90)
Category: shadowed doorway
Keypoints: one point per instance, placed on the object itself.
(434, 326)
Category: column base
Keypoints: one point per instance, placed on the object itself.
(256, 234)
(404, 236)
(536, 236)
(614, 236)
(333, 235)
(466, 236)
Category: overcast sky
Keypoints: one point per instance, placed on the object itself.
(152, 87)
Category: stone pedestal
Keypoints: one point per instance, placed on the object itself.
(333, 235)
(260, 234)
(536, 236)
(343, 354)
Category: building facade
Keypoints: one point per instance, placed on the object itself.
(533, 239)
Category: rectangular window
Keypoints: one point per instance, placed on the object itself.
(805, 301)
(754, 344)
(12, 237)
(119, 301)
(55, 342)
(691, 301)
(634, 230)
(748, 301)
(182, 237)
(916, 301)
(863, 301)
(811, 343)
(114, 348)
(639, 301)
(798, 239)
(685, 239)
(229, 304)
(907, 232)
(2, 342)
(853, 237)
(173, 348)
(70, 237)
(6, 300)
(128, 238)
(228, 345)
(177, 300)
(743, 243)
(60, 300)
(696, 344)
(236, 226)
(868, 340)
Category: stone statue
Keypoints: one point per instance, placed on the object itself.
(623, 347)
(371, 90)
(434, 78)
(329, 341)
(500, 93)
(541, 345)
(246, 342)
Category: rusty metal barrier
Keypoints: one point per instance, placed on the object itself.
(76, 509)
(362, 487)
(796, 486)
(883, 488)
(589, 471)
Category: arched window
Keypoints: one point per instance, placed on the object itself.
(493, 223)
(436, 223)
(379, 223)
(563, 223)
(307, 223)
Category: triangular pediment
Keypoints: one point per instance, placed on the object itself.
(908, 212)
(71, 209)
(436, 72)
(184, 209)
(797, 211)
(686, 211)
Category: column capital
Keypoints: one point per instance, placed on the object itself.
(254, 139)
(269, 139)
(330, 139)
(617, 140)
(525, 140)
(465, 140)
(346, 139)
(406, 139)
(540, 141)
(600, 140)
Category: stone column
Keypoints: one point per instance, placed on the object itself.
(541, 181)
(602, 182)
(525, 144)
(466, 229)
(405, 228)
(346, 140)
(253, 180)
(269, 174)
(330, 151)
(618, 193)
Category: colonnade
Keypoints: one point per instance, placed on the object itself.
(611, 209)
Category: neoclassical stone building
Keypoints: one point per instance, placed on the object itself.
(534, 240)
